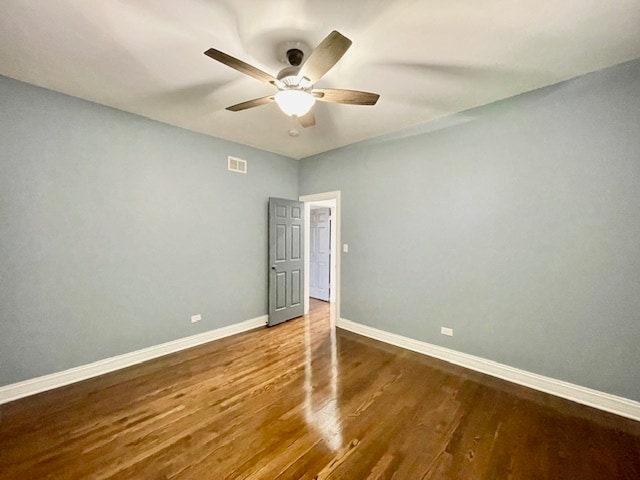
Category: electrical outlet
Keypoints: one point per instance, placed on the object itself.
(196, 318)
(345, 248)
(446, 331)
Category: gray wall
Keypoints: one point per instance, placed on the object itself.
(518, 226)
(114, 229)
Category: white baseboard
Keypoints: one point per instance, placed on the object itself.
(586, 396)
(32, 386)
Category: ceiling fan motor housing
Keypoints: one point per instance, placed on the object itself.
(289, 77)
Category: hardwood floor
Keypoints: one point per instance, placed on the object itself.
(302, 400)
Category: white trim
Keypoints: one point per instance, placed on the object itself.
(32, 386)
(586, 396)
(318, 197)
(334, 253)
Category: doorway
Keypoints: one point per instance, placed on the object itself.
(321, 251)
(330, 200)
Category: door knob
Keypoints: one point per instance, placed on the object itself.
(273, 267)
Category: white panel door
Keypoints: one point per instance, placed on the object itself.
(319, 253)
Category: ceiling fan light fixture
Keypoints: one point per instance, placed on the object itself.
(295, 102)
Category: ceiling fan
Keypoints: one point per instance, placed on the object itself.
(296, 94)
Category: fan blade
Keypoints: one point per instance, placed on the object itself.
(256, 102)
(325, 56)
(240, 66)
(351, 97)
(307, 120)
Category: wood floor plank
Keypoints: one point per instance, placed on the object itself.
(306, 401)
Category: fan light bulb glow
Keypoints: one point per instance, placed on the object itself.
(295, 102)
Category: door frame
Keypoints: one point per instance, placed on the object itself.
(308, 200)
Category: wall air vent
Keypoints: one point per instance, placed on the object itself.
(236, 164)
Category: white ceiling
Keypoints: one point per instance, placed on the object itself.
(426, 59)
